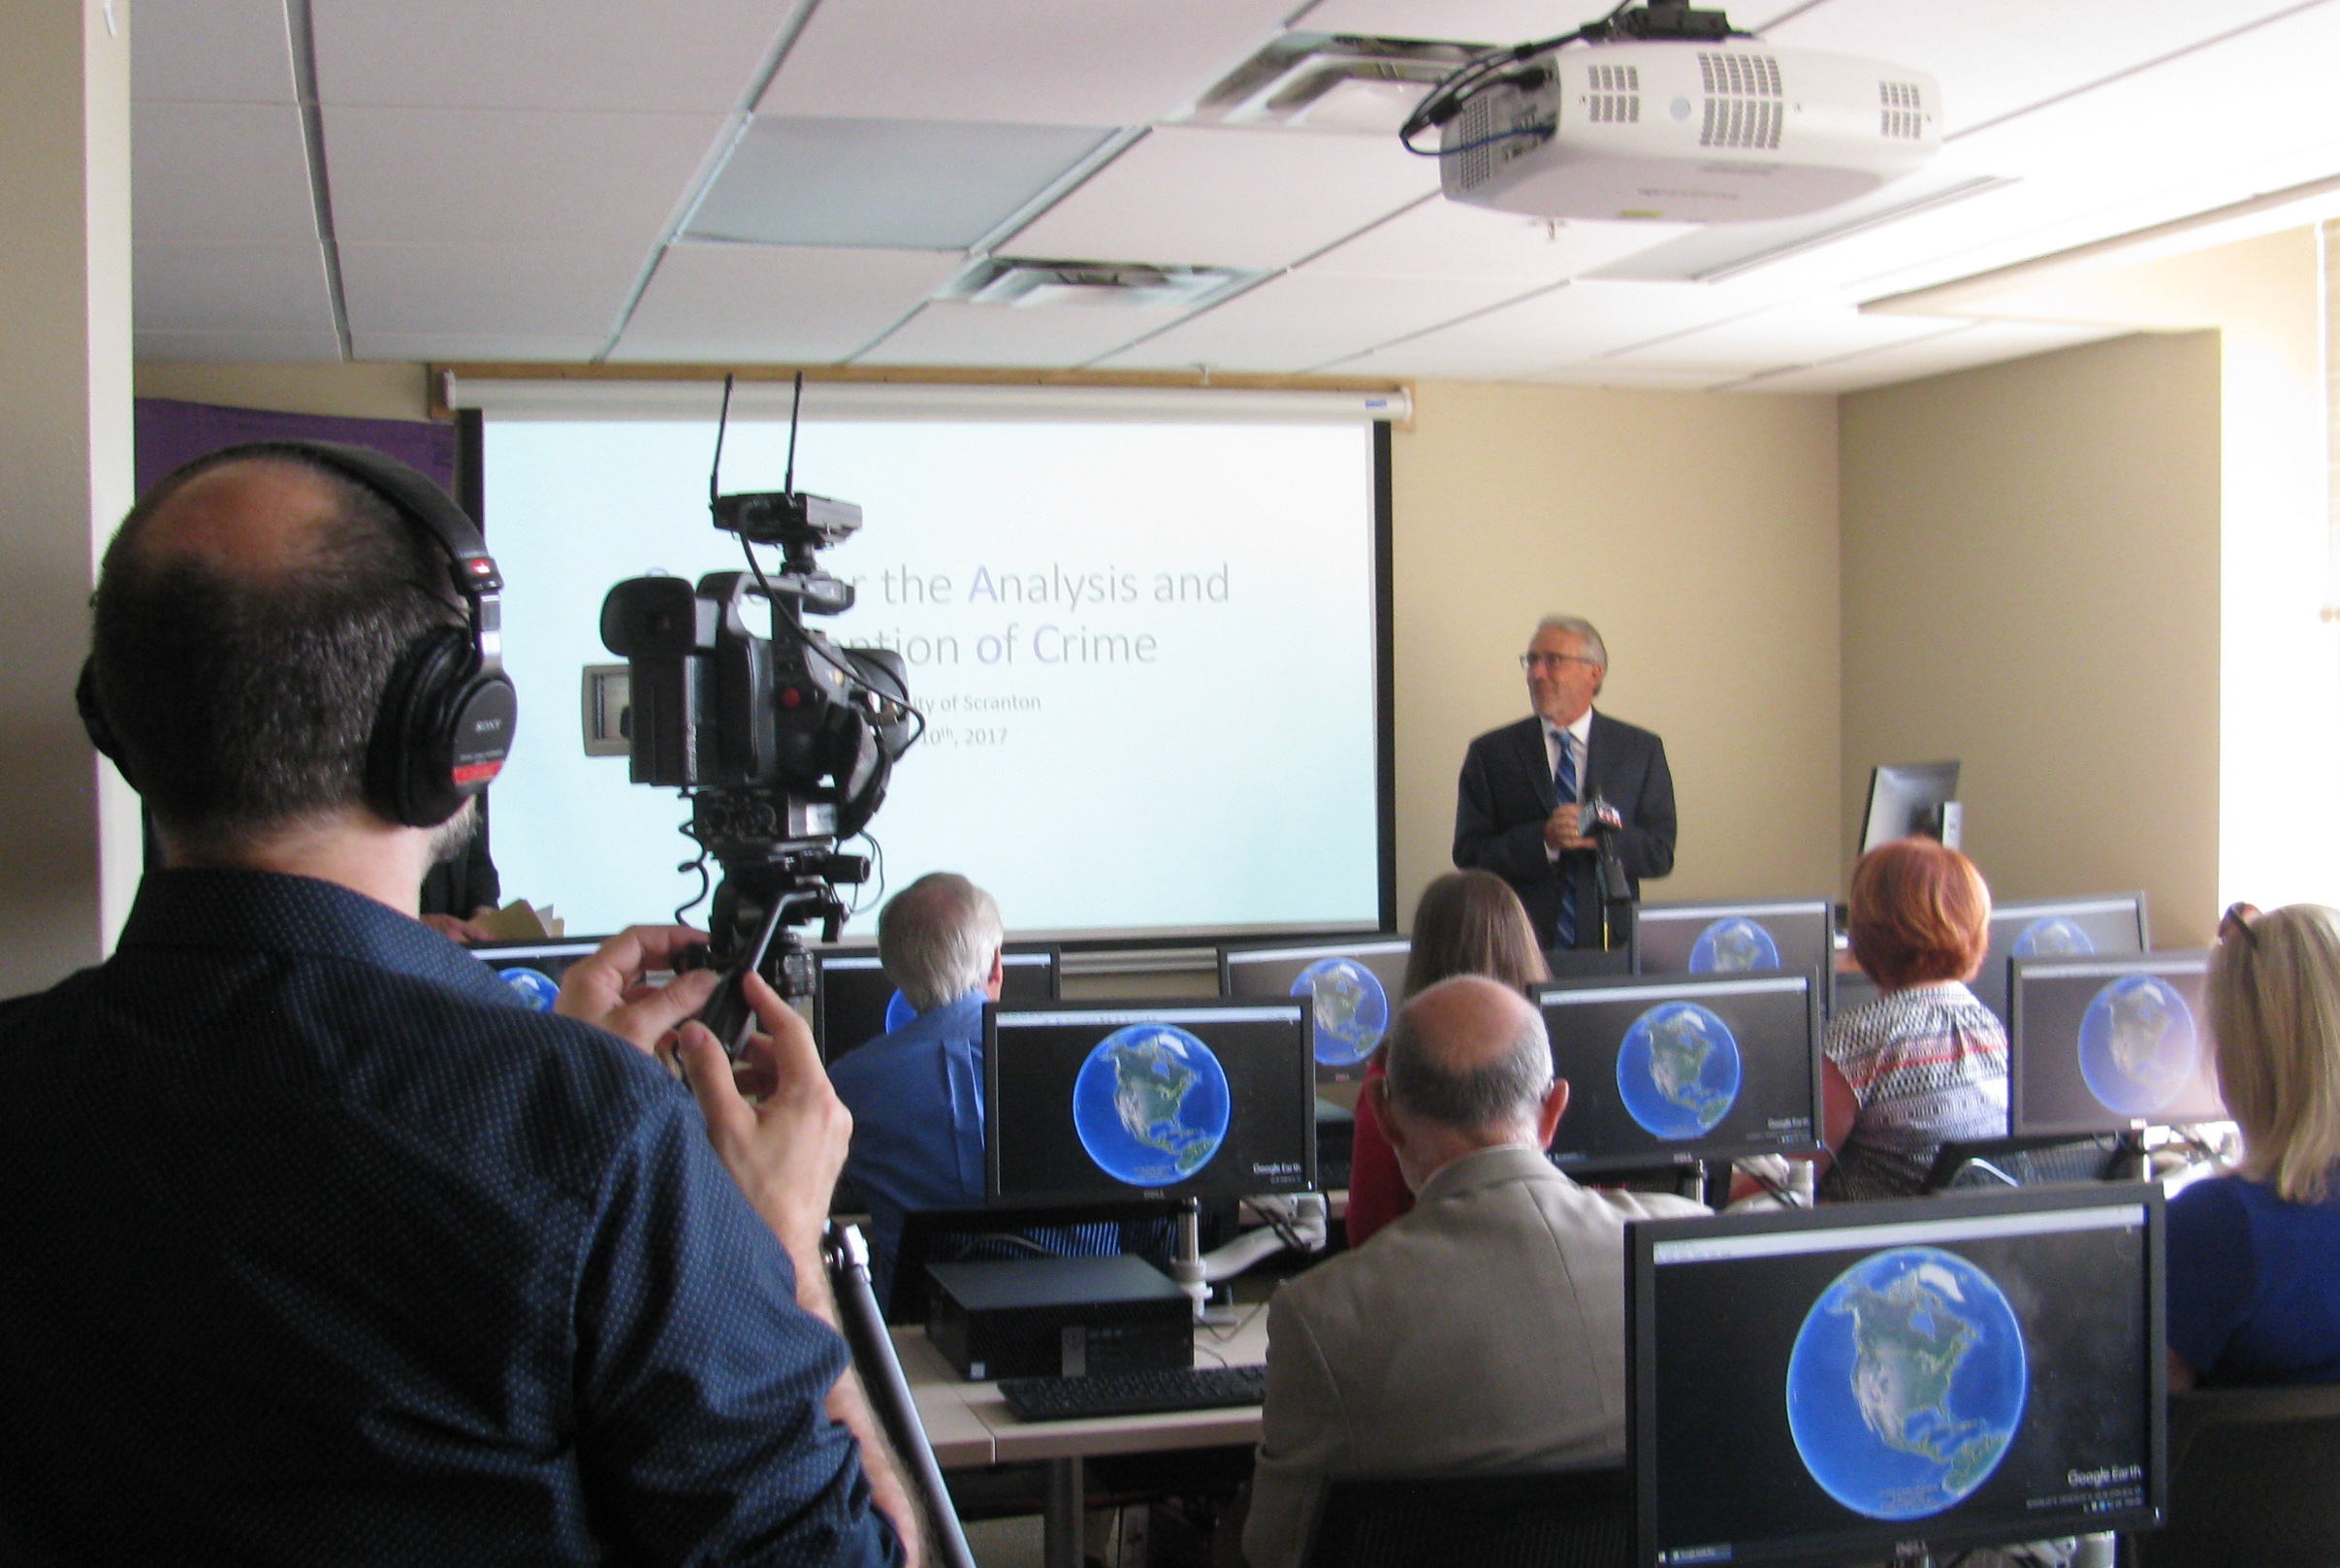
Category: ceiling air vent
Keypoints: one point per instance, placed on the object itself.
(1333, 81)
(1018, 281)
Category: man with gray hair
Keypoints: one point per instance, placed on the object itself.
(1519, 807)
(1483, 1331)
(916, 1094)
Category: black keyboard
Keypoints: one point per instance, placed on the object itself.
(1133, 1394)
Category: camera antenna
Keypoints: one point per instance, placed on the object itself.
(721, 419)
(795, 408)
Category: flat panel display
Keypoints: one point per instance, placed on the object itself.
(535, 969)
(854, 1003)
(2059, 928)
(1357, 986)
(1169, 1099)
(2111, 1044)
(1840, 1385)
(1661, 1069)
(1746, 937)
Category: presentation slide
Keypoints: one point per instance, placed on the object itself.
(1145, 654)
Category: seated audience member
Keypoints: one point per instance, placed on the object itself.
(1926, 1063)
(916, 1095)
(2255, 1256)
(1483, 1331)
(1468, 923)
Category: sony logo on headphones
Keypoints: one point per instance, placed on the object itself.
(487, 724)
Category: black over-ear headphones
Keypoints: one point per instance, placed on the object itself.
(447, 716)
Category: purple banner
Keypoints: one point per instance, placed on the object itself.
(170, 432)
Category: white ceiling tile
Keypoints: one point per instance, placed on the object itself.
(776, 303)
(606, 54)
(1211, 197)
(1034, 62)
(1443, 238)
(950, 331)
(236, 347)
(1414, 362)
(492, 176)
(1774, 339)
(1995, 56)
(1463, 21)
(219, 174)
(219, 51)
(532, 290)
(519, 348)
(1630, 378)
(230, 288)
(1586, 318)
(1305, 319)
(1984, 342)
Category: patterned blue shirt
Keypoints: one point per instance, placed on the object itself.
(318, 1247)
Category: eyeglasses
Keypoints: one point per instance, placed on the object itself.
(1552, 661)
(2237, 924)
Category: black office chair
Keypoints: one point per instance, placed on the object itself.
(2032, 1162)
(2254, 1479)
(1582, 1519)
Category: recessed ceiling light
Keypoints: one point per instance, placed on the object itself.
(892, 184)
(1017, 281)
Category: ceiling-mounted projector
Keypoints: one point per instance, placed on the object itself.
(1665, 114)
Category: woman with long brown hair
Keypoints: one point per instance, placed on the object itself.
(1467, 922)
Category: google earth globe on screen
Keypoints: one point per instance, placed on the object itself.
(1906, 1383)
(2139, 1046)
(2052, 936)
(1678, 1070)
(1352, 1009)
(898, 1011)
(535, 987)
(1151, 1103)
(1732, 946)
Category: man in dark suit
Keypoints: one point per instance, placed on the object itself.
(1519, 807)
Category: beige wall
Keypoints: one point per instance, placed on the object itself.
(1699, 532)
(68, 832)
(2030, 585)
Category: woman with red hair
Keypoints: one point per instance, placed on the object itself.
(1925, 1062)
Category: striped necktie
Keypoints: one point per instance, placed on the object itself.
(1563, 784)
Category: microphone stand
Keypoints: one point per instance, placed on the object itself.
(1603, 826)
(889, 1395)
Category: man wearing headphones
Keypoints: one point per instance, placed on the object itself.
(317, 1247)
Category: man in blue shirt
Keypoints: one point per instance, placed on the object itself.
(321, 1247)
(916, 1094)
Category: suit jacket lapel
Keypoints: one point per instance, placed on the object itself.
(1600, 765)
(1537, 760)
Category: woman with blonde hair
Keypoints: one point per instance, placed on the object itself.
(1468, 923)
(2255, 1254)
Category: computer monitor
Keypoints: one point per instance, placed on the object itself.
(1742, 937)
(1848, 1383)
(1908, 798)
(2059, 928)
(854, 1003)
(2111, 1044)
(1667, 1069)
(535, 969)
(1357, 986)
(1115, 1099)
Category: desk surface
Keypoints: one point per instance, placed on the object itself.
(969, 1424)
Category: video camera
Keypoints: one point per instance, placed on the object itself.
(784, 743)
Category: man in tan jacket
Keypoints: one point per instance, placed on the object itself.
(1483, 1331)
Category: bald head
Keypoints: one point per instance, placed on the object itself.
(251, 614)
(1471, 1055)
(257, 517)
(939, 939)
